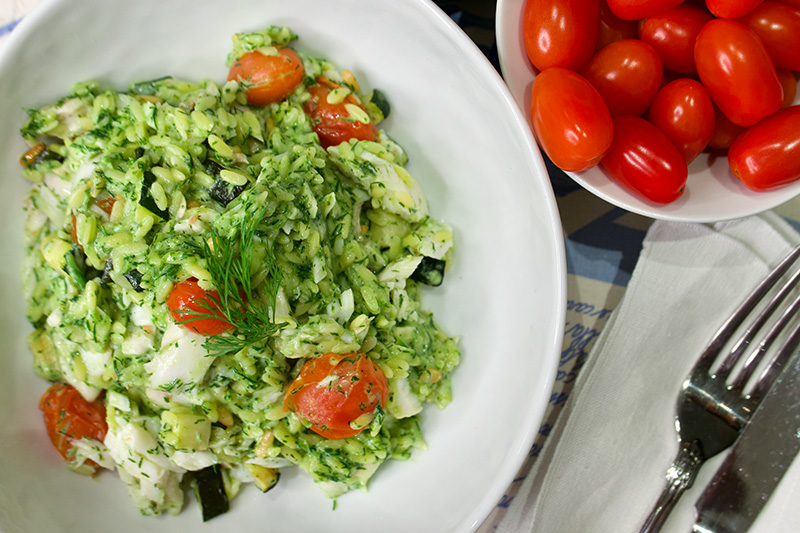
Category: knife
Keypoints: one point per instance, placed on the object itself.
(763, 452)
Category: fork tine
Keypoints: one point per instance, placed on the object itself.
(758, 354)
(748, 336)
(770, 373)
(725, 332)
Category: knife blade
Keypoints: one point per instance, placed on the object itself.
(763, 452)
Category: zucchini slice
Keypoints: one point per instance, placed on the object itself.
(430, 271)
(146, 198)
(209, 489)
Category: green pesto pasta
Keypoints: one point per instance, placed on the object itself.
(135, 192)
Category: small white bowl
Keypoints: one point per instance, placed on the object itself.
(712, 192)
(476, 160)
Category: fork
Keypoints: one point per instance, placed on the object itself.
(714, 403)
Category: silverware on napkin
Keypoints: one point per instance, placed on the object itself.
(762, 453)
(715, 401)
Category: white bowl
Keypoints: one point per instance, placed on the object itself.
(712, 192)
(476, 160)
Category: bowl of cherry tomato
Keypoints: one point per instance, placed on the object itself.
(675, 110)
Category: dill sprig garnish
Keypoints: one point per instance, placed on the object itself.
(230, 263)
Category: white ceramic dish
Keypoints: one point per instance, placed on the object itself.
(479, 165)
(712, 191)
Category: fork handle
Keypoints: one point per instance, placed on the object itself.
(680, 476)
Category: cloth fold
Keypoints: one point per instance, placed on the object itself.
(604, 465)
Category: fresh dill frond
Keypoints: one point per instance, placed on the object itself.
(230, 263)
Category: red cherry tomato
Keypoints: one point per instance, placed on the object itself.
(560, 33)
(570, 119)
(778, 26)
(645, 161)
(639, 9)
(669, 77)
(333, 122)
(673, 33)
(184, 303)
(737, 71)
(683, 111)
(627, 74)
(731, 9)
(767, 155)
(793, 3)
(725, 131)
(612, 28)
(268, 78)
(69, 417)
(338, 394)
(789, 84)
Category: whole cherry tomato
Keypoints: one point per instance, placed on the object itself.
(778, 26)
(737, 71)
(645, 161)
(639, 9)
(767, 155)
(570, 119)
(793, 3)
(612, 28)
(683, 110)
(672, 33)
(338, 394)
(731, 9)
(338, 120)
(627, 74)
(189, 303)
(789, 84)
(268, 78)
(560, 33)
(69, 417)
(725, 131)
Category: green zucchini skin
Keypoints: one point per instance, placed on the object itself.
(210, 492)
(430, 271)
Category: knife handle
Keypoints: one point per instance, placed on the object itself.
(680, 476)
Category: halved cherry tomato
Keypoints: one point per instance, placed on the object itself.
(268, 78)
(789, 83)
(731, 9)
(184, 305)
(683, 110)
(612, 28)
(627, 74)
(560, 33)
(725, 131)
(737, 71)
(645, 161)
(672, 33)
(69, 417)
(337, 120)
(338, 394)
(778, 27)
(570, 119)
(767, 155)
(639, 9)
